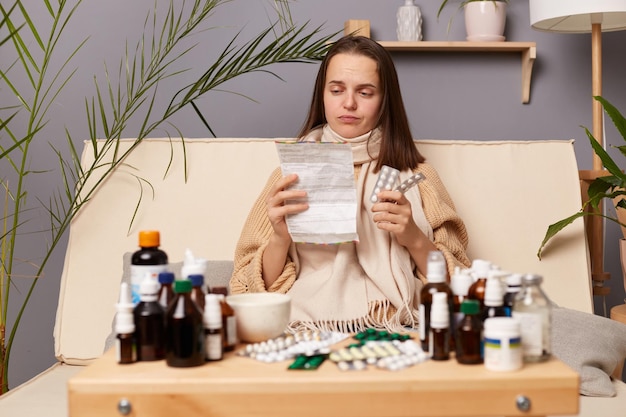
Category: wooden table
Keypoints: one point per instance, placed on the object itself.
(239, 386)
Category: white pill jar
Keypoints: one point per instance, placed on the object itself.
(502, 344)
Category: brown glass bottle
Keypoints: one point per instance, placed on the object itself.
(184, 329)
(494, 298)
(197, 292)
(439, 348)
(480, 270)
(469, 334)
(166, 292)
(149, 318)
(436, 274)
(229, 325)
(124, 327)
(148, 259)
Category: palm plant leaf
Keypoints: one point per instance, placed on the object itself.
(114, 103)
(604, 187)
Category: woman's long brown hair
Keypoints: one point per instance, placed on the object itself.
(397, 148)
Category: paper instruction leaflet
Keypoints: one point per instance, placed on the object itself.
(326, 172)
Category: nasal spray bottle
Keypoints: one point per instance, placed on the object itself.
(125, 344)
(439, 340)
(194, 269)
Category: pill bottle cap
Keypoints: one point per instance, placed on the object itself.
(149, 238)
(460, 281)
(197, 280)
(192, 265)
(182, 286)
(436, 267)
(514, 280)
(494, 294)
(480, 268)
(532, 279)
(220, 290)
(166, 277)
(509, 325)
(124, 323)
(149, 288)
(470, 307)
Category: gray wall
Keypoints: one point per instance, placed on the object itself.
(448, 96)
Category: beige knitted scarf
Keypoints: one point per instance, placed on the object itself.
(356, 285)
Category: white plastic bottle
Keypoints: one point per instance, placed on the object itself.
(125, 342)
(213, 331)
(502, 349)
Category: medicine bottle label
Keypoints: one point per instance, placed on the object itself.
(138, 273)
(503, 353)
(532, 332)
(422, 322)
(213, 346)
(231, 331)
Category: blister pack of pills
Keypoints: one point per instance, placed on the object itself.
(392, 355)
(289, 346)
(389, 179)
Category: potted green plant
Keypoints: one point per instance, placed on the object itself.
(611, 187)
(130, 94)
(485, 20)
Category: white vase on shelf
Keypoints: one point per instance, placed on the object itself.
(409, 18)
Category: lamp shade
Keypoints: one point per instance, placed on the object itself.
(577, 16)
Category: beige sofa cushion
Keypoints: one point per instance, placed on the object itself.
(507, 192)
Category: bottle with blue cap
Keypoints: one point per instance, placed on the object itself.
(166, 292)
(197, 290)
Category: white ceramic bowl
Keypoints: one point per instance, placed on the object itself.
(260, 316)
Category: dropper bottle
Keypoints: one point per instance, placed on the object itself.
(436, 273)
(480, 269)
(149, 322)
(439, 340)
(166, 292)
(213, 332)
(494, 297)
(125, 344)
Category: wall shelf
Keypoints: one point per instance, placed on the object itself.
(527, 49)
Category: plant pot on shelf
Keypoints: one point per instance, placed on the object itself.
(485, 21)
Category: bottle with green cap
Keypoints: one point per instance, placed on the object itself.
(469, 334)
(184, 329)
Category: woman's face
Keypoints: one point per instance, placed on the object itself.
(352, 95)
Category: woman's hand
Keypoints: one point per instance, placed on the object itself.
(278, 209)
(275, 254)
(393, 213)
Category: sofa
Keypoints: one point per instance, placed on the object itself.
(200, 191)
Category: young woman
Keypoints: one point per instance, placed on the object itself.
(374, 282)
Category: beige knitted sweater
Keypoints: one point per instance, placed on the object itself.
(449, 236)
